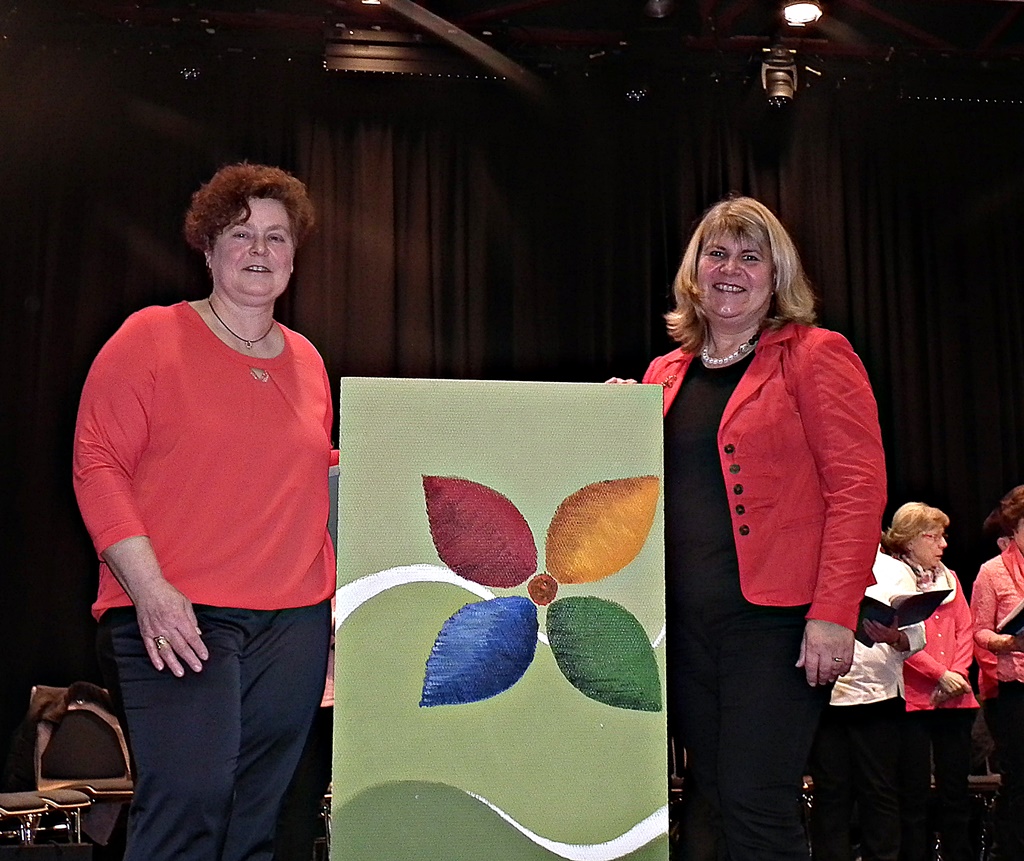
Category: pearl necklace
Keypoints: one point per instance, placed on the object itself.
(742, 350)
(248, 343)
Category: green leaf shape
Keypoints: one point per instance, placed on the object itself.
(604, 652)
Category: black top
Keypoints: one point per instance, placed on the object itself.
(701, 565)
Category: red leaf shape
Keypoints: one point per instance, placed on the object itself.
(479, 533)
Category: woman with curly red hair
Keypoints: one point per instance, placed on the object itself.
(201, 449)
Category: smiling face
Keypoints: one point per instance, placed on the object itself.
(735, 281)
(251, 261)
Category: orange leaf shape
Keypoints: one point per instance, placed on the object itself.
(600, 529)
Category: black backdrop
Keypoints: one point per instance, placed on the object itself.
(466, 233)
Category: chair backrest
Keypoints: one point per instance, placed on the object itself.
(87, 743)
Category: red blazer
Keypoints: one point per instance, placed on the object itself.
(802, 461)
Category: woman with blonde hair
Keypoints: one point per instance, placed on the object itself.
(941, 706)
(774, 490)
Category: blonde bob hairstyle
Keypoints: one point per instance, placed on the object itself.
(748, 221)
(911, 520)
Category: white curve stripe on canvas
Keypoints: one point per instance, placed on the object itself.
(358, 592)
(639, 835)
(353, 595)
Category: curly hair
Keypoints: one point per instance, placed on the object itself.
(224, 201)
(1011, 508)
(911, 520)
(747, 220)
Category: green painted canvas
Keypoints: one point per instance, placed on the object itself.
(500, 659)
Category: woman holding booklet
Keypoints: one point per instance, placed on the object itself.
(940, 702)
(856, 752)
(998, 593)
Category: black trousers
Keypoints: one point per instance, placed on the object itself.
(214, 751)
(1007, 729)
(855, 762)
(300, 822)
(746, 716)
(942, 736)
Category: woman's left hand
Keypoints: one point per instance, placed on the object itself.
(950, 685)
(890, 635)
(826, 652)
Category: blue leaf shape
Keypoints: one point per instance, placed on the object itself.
(481, 651)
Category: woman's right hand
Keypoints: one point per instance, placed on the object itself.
(169, 628)
(618, 381)
(167, 621)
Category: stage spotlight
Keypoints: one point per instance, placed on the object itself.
(801, 14)
(778, 75)
(659, 8)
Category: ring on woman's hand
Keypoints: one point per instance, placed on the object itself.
(160, 642)
(837, 660)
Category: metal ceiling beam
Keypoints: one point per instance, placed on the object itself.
(988, 43)
(927, 39)
(491, 59)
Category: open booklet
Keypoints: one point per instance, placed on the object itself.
(1014, 622)
(902, 610)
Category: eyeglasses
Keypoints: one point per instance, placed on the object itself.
(934, 536)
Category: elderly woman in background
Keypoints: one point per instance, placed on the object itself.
(941, 706)
(202, 442)
(774, 490)
(856, 753)
(998, 591)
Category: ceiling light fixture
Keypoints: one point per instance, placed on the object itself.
(801, 14)
(778, 75)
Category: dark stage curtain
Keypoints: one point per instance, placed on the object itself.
(467, 233)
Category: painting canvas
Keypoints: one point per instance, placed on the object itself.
(500, 658)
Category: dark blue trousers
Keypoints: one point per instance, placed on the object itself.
(214, 751)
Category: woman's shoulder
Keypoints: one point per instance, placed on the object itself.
(888, 568)
(154, 316)
(660, 363)
(993, 567)
(822, 354)
(141, 330)
(799, 337)
(302, 348)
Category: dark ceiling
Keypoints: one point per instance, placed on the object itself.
(541, 35)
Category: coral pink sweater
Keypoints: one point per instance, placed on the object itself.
(179, 440)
